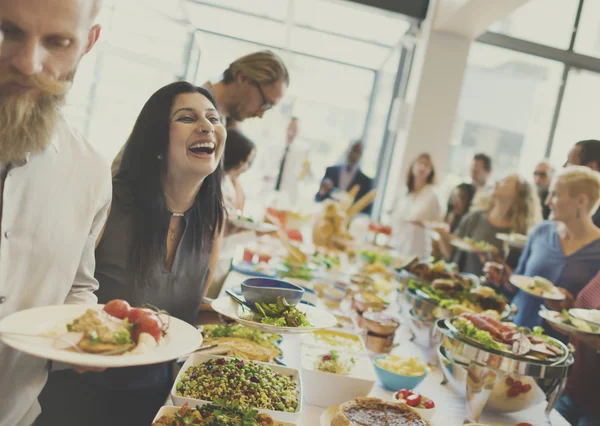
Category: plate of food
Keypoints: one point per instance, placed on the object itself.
(243, 342)
(513, 239)
(537, 286)
(247, 222)
(277, 317)
(507, 339)
(216, 413)
(269, 388)
(371, 411)
(102, 336)
(470, 245)
(590, 316)
(568, 323)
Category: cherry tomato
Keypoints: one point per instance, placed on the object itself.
(136, 313)
(526, 388)
(524, 424)
(147, 324)
(403, 393)
(429, 404)
(117, 308)
(413, 400)
(518, 384)
(509, 381)
(513, 392)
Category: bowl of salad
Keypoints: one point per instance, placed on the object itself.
(268, 290)
(332, 377)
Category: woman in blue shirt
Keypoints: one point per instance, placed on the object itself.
(564, 250)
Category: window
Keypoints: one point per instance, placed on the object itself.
(588, 31)
(505, 110)
(578, 117)
(548, 22)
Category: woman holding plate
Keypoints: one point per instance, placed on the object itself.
(159, 247)
(564, 250)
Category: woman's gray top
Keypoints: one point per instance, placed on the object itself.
(476, 226)
(179, 292)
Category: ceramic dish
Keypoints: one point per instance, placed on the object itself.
(170, 410)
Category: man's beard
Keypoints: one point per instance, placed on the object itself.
(27, 120)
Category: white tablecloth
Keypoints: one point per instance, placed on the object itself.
(450, 409)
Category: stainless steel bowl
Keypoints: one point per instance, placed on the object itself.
(481, 374)
(425, 335)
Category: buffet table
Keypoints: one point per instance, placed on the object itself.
(450, 406)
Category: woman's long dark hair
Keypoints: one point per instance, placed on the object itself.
(467, 193)
(142, 170)
(237, 149)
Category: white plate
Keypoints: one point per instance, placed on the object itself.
(591, 316)
(554, 318)
(470, 248)
(327, 415)
(181, 338)
(522, 282)
(169, 410)
(199, 358)
(253, 226)
(317, 317)
(513, 240)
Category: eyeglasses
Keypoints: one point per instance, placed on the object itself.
(540, 174)
(266, 104)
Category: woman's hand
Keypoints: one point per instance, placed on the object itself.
(443, 231)
(558, 305)
(495, 273)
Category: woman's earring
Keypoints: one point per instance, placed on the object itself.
(159, 156)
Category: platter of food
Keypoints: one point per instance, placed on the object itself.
(507, 339)
(469, 245)
(513, 239)
(568, 323)
(101, 336)
(371, 411)
(220, 412)
(246, 222)
(276, 318)
(338, 340)
(590, 316)
(537, 286)
(269, 388)
(243, 342)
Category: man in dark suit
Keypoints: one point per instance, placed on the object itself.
(344, 176)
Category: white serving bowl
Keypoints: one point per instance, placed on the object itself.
(327, 389)
(169, 410)
(198, 358)
(426, 413)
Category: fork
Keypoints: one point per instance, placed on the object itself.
(66, 342)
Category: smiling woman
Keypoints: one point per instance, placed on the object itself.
(160, 245)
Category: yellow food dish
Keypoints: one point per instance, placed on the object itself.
(412, 366)
(336, 340)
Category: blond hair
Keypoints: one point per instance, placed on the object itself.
(264, 67)
(525, 212)
(582, 180)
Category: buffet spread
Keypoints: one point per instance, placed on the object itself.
(337, 332)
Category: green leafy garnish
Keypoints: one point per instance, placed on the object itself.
(466, 328)
(281, 314)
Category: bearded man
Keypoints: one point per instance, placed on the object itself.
(55, 189)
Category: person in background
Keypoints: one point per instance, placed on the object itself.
(344, 176)
(512, 206)
(542, 176)
(159, 247)
(586, 153)
(250, 86)
(459, 204)
(565, 250)
(55, 188)
(238, 157)
(416, 204)
(481, 169)
(579, 404)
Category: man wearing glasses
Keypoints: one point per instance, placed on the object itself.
(542, 176)
(250, 86)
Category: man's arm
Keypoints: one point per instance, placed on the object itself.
(327, 185)
(85, 284)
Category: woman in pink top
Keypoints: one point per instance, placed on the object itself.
(579, 405)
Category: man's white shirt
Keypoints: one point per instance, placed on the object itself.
(53, 209)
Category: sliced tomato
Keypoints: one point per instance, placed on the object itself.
(147, 324)
(117, 308)
(136, 313)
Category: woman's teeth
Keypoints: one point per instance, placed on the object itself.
(204, 147)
